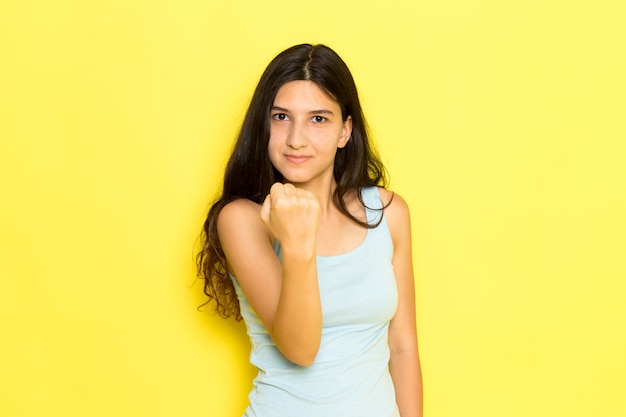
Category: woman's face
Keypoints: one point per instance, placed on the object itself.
(306, 129)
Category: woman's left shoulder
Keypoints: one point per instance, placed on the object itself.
(397, 215)
(395, 206)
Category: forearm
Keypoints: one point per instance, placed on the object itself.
(297, 324)
(406, 374)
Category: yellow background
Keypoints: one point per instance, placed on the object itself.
(503, 124)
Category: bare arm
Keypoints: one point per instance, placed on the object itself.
(404, 363)
(286, 298)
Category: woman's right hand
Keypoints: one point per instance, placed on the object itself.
(292, 215)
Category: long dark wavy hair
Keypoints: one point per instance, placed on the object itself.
(250, 174)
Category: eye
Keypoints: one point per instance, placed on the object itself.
(280, 116)
(318, 119)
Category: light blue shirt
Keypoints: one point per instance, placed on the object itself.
(350, 375)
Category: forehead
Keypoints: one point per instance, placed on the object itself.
(303, 95)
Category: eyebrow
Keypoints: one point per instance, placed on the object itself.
(322, 111)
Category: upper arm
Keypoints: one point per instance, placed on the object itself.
(402, 329)
(249, 251)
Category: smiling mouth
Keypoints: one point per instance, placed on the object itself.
(297, 159)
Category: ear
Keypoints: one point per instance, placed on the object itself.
(346, 133)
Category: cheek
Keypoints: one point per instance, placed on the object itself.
(273, 142)
(277, 139)
(273, 149)
(278, 130)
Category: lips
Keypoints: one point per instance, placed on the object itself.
(297, 159)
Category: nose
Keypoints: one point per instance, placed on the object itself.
(297, 137)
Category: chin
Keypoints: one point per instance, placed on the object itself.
(293, 178)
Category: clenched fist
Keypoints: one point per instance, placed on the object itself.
(292, 215)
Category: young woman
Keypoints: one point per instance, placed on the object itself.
(313, 252)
